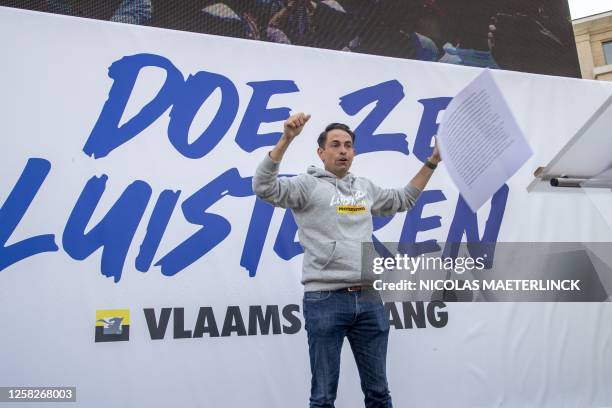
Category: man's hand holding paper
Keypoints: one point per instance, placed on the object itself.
(480, 141)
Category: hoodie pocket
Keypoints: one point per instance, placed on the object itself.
(322, 253)
(346, 256)
(342, 255)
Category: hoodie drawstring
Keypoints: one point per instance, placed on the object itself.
(351, 180)
(321, 173)
(337, 191)
(351, 190)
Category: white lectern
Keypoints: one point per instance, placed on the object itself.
(585, 161)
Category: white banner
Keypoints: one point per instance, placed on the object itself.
(127, 154)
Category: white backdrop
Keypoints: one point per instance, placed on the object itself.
(54, 83)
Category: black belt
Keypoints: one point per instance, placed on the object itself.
(355, 288)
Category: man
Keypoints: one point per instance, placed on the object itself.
(333, 210)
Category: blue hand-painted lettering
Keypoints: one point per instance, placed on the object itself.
(14, 209)
(257, 113)
(198, 88)
(116, 230)
(184, 99)
(386, 95)
(428, 127)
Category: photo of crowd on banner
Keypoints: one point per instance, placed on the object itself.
(523, 35)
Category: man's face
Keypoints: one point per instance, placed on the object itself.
(337, 156)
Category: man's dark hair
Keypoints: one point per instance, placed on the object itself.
(323, 136)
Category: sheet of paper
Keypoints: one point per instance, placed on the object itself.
(480, 142)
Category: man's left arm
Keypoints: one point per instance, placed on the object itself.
(421, 179)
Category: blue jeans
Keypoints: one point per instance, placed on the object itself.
(361, 317)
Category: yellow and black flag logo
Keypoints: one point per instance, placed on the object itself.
(112, 325)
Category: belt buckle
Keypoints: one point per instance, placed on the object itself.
(353, 289)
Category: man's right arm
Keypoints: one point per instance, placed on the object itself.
(286, 192)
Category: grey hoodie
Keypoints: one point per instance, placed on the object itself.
(334, 216)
